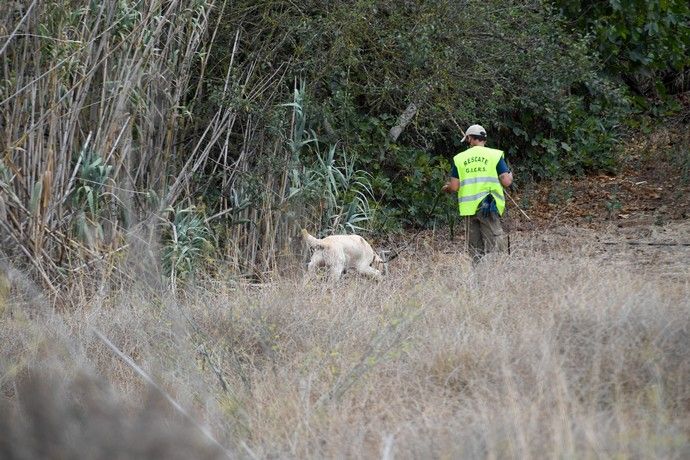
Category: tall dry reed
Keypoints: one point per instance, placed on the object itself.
(107, 136)
(92, 98)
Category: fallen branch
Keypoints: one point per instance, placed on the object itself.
(404, 120)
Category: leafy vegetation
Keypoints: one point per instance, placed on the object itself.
(339, 194)
(644, 43)
(186, 241)
(511, 67)
(266, 117)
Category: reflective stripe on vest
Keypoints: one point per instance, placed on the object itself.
(476, 168)
(475, 180)
(479, 196)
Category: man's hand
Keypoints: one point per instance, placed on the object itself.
(451, 186)
(506, 179)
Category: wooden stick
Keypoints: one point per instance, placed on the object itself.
(516, 205)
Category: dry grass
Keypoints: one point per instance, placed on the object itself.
(560, 352)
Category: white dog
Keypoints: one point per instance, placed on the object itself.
(340, 253)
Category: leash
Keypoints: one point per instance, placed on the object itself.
(428, 218)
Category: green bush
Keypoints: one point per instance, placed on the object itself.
(515, 67)
(643, 42)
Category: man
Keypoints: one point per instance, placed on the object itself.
(478, 176)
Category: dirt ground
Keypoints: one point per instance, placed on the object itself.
(651, 188)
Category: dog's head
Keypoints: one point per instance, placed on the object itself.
(380, 263)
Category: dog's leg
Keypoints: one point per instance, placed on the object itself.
(337, 270)
(316, 261)
(370, 271)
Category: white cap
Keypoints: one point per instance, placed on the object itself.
(474, 130)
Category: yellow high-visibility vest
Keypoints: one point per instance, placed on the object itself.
(478, 178)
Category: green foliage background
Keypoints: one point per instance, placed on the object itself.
(646, 44)
(531, 75)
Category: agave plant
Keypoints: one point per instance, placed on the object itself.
(342, 193)
(187, 240)
(90, 199)
(300, 137)
(346, 193)
(92, 176)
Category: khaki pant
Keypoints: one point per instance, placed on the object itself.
(484, 235)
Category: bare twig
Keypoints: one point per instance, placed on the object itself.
(19, 24)
(516, 205)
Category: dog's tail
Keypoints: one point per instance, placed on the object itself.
(310, 240)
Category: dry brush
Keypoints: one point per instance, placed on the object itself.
(546, 354)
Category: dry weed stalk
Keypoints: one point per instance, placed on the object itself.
(553, 354)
